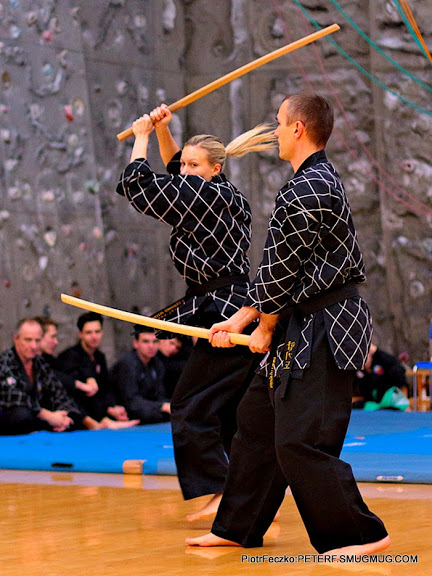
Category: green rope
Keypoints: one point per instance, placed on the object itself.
(372, 43)
(410, 28)
(361, 69)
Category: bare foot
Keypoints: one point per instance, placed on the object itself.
(210, 552)
(361, 549)
(208, 510)
(209, 540)
(117, 424)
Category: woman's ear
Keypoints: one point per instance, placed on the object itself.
(217, 169)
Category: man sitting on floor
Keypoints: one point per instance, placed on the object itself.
(138, 379)
(87, 365)
(31, 396)
(48, 346)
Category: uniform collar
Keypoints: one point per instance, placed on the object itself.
(315, 158)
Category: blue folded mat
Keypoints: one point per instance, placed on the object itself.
(382, 446)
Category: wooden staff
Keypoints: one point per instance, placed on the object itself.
(242, 339)
(186, 100)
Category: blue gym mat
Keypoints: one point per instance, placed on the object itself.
(390, 446)
(382, 446)
(91, 451)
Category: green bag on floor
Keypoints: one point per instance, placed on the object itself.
(393, 398)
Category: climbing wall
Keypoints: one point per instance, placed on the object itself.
(74, 73)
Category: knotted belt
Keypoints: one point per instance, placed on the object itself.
(202, 289)
(293, 316)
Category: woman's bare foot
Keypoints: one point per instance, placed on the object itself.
(209, 540)
(361, 549)
(208, 510)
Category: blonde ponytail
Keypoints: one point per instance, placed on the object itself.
(258, 139)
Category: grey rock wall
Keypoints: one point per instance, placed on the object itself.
(73, 74)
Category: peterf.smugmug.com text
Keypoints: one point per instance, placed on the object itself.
(326, 558)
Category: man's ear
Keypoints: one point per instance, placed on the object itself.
(299, 127)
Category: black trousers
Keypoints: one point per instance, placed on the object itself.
(203, 414)
(296, 442)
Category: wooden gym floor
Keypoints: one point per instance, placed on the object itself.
(63, 524)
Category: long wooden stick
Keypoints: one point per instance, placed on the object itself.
(242, 339)
(186, 100)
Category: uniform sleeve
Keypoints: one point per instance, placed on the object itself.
(70, 362)
(174, 164)
(12, 389)
(54, 396)
(181, 201)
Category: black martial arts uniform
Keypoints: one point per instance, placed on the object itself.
(76, 363)
(293, 419)
(21, 400)
(211, 229)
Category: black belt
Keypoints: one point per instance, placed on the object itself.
(215, 284)
(202, 290)
(294, 315)
(321, 301)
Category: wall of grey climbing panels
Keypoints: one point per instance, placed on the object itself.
(74, 73)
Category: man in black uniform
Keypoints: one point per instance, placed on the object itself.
(316, 329)
(48, 346)
(87, 365)
(31, 396)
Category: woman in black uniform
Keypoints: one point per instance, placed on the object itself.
(211, 230)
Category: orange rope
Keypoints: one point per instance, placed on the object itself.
(408, 13)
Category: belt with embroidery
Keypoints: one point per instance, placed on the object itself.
(294, 315)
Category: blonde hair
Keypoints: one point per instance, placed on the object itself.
(258, 139)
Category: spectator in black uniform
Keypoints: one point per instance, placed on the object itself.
(138, 379)
(31, 396)
(48, 346)
(88, 367)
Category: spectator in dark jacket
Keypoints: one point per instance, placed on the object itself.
(174, 353)
(138, 379)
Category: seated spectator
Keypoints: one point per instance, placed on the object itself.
(88, 367)
(382, 383)
(174, 353)
(48, 346)
(138, 379)
(31, 396)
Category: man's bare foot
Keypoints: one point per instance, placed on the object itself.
(209, 540)
(117, 424)
(208, 510)
(361, 549)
